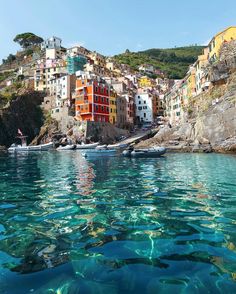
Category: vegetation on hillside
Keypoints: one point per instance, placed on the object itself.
(26, 40)
(174, 62)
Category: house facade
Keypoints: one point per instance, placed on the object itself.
(91, 99)
(144, 106)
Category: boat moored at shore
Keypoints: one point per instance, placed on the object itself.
(87, 146)
(150, 152)
(99, 152)
(25, 148)
(67, 147)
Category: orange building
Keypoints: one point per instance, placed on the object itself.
(92, 99)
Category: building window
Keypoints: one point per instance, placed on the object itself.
(107, 109)
(144, 107)
(144, 114)
(139, 102)
(144, 101)
(95, 98)
(140, 108)
(107, 100)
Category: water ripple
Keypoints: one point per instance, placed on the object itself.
(117, 225)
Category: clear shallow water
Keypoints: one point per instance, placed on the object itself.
(115, 225)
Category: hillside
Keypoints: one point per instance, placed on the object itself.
(173, 62)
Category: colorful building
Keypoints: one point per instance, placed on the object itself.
(191, 82)
(200, 64)
(46, 71)
(145, 82)
(226, 35)
(91, 99)
(113, 107)
(75, 63)
(121, 112)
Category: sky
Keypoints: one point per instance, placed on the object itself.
(112, 26)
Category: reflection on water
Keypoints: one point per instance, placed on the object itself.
(116, 224)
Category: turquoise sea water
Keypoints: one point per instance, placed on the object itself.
(117, 225)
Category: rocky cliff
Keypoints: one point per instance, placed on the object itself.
(23, 113)
(211, 126)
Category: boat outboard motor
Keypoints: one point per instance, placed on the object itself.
(127, 152)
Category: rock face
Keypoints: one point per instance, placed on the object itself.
(212, 130)
(86, 132)
(23, 113)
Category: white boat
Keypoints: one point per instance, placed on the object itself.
(118, 146)
(150, 152)
(102, 147)
(87, 146)
(67, 147)
(98, 152)
(25, 148)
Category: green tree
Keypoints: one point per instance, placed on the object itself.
(26, 40)
(10, 58)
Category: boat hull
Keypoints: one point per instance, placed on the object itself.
(67, 147)
(42, 147)
(117, 146)
(145, 153)
(99, 152)
(86, 146)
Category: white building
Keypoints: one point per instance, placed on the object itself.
(77, 50)
(51, 43)
(144, 106)
(55, 54)
(61, 88)
(146, 68)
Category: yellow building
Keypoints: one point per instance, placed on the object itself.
(113, 107)
(216, 42)
(199, 68)
(145, 82)
(191, 82)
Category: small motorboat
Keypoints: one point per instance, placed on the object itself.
(118, 146)
(101, 147)
(25, 148)
(99, 152)
(150, 152)
(87, 146)
(67, 147)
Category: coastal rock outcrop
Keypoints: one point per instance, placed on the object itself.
(23, 113)
(212, 130)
